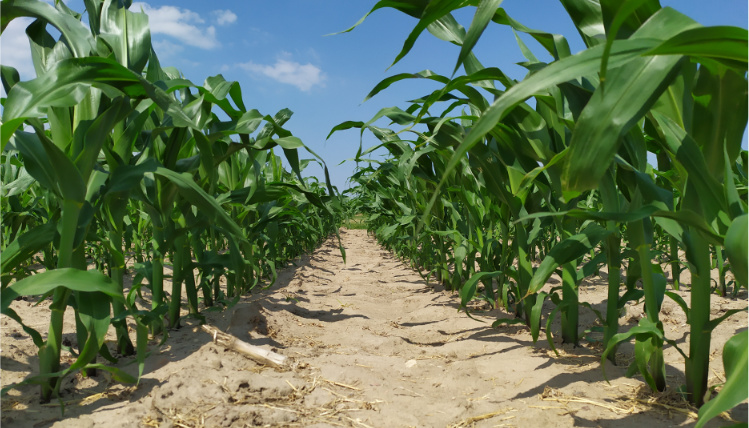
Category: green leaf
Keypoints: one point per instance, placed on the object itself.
(555, 44)
(484, 13)
(628, 94)
(412, 8)
(646, 347)
(710, 325)
(645, 329)
(199, 198)
(688, 154)
(588, 19)
(50, 166)
(536, 316)
(97, 134)
(566, 69)
(735, 390)
(344, 126)
(679, 301)
(719, 116)
(45, 52)
(736, 248)
(622, 16)
(566, 251)
(25, 246)
(127, 177)
(127, 33)
(39, 379)
(433, 11)
(94, 312)
(622, 19)
(727, 45)
(36, 337)
(219, 87)
(287, 143)
(385, 83)
(78, 37)
(469, 288)
(70, 278)
(66, 85)
(9, 77)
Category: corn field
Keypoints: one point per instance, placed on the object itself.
(111, 160)
(625, 157)
(554, 168)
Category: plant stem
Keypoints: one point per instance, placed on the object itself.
(570, 312)
(117, 272)
(49, 353)
(614, 262)
(652, 305)
(675, 265)
(525, 273)
(697, 366)
(157, 278)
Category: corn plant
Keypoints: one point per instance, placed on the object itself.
(571, 175)
(102, 157)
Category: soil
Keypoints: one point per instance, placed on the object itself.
(372, 345)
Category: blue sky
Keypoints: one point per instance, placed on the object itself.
(279, 53)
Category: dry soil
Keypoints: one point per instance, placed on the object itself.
(372, 345)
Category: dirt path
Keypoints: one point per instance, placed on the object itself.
(374, 346)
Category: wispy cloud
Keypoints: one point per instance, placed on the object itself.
(182, 24)
(15, 47)
(224, 17)
(303, 76)
(167, 49)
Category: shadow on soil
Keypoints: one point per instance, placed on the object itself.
(86, 395)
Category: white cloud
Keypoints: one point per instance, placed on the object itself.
(224, 17)
(303, 76)
(166, 48)
(182, 24)
(15, 48)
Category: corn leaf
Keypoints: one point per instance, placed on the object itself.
(556, 45)
(199, 198)
(51, 167)
(70, 278)
(127, 34)
(24, 247)
(614, 108)
(68, 83)
(484, 13)
(566, 69)
(726, 45)
(646, 329)
(77, 36)
(588, 20)
(735, 390)
(736, 248)
(566, 251)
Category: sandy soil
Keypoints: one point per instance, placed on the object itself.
(373, 346)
